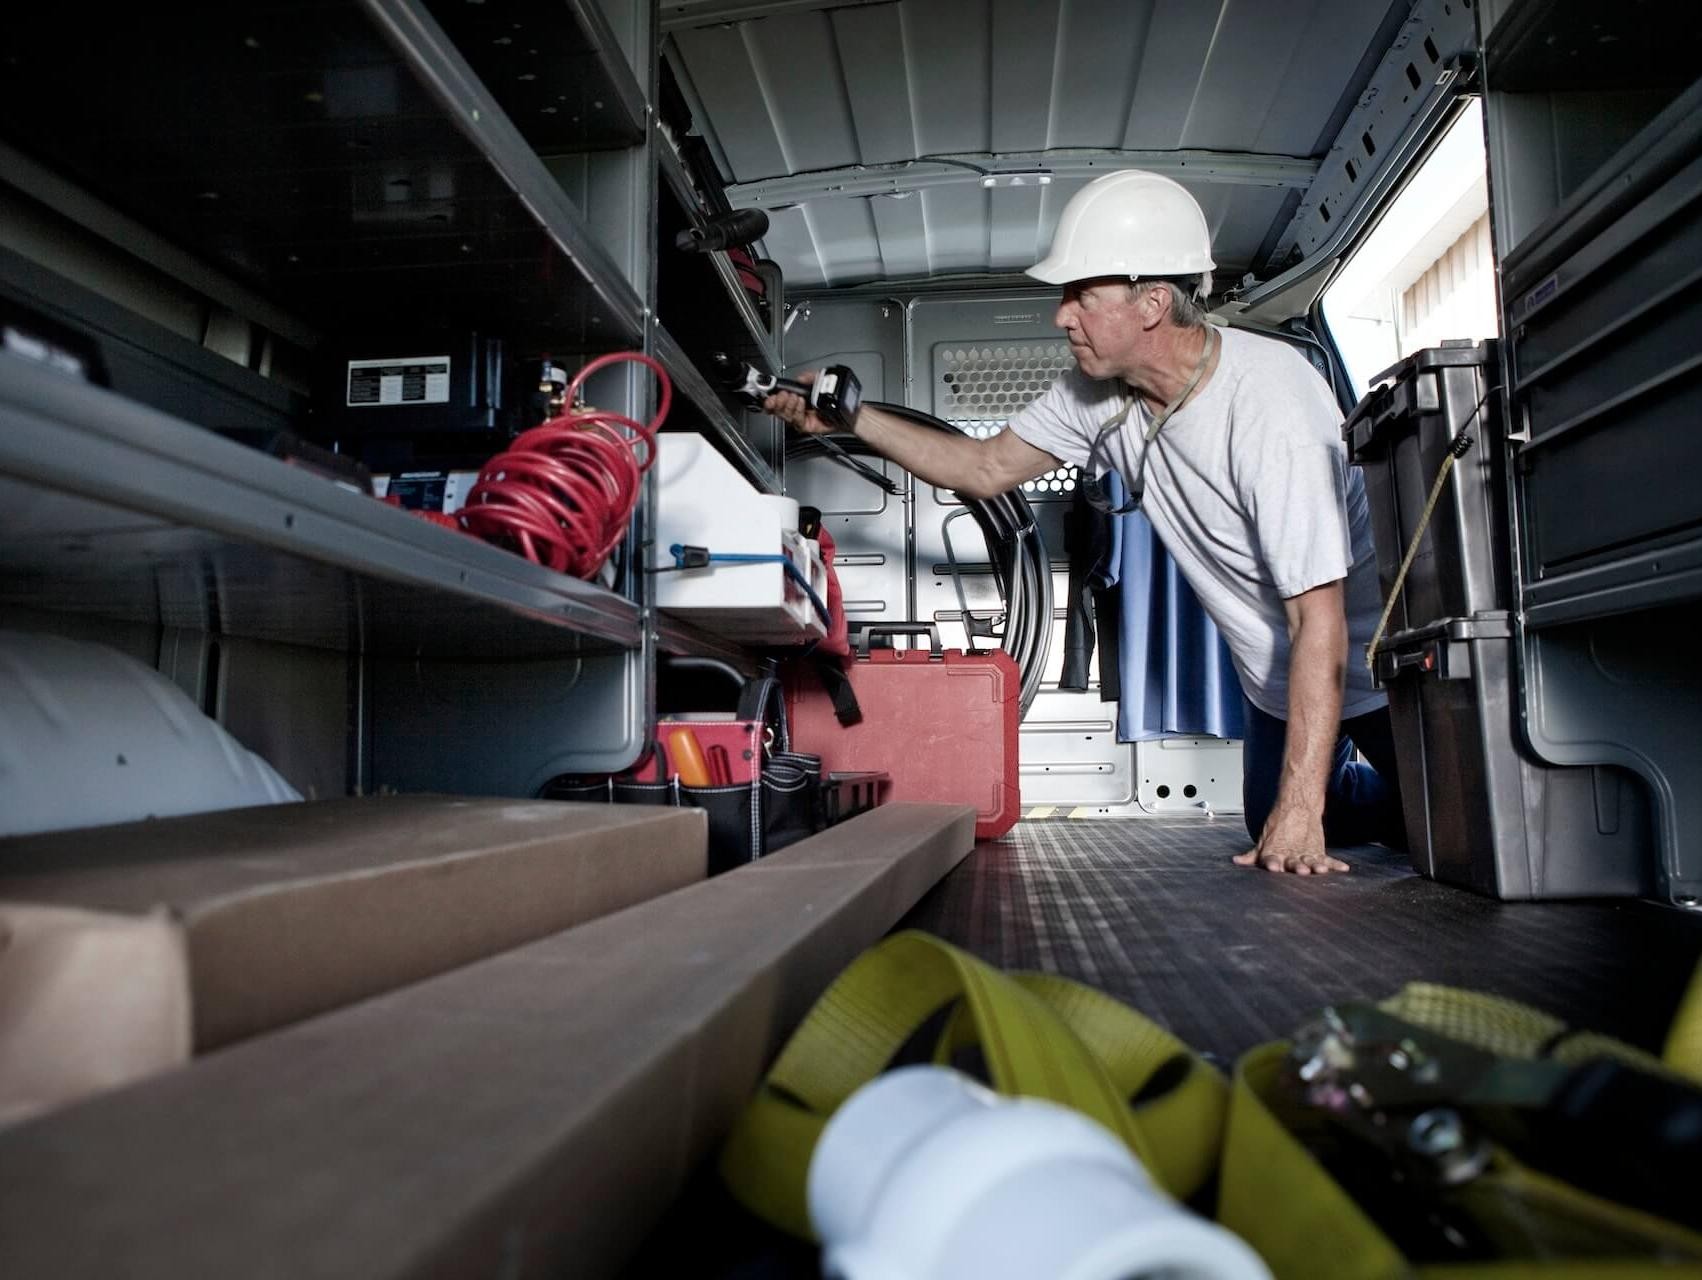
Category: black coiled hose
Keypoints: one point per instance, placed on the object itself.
(1020, 565)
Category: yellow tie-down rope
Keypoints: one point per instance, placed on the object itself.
(1456, 450)
(1041, 1036)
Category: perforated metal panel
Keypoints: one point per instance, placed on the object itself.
(992, 380)
(979, 388)
(1001, 352)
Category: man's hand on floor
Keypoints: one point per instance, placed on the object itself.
(1293, 842)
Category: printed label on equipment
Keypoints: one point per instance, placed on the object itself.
(428, 490)
(402, 380)
(1539, 295)
(419, 490)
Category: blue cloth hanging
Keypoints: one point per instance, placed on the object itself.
(1177, 674)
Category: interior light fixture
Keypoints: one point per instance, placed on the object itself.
(1027, 178)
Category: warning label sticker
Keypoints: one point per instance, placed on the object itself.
(402, 380)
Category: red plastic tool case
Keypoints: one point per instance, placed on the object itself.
(942, 725)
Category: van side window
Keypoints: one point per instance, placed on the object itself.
(1426, 272)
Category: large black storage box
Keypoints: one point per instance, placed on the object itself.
(1479, 812)
(1400, 433)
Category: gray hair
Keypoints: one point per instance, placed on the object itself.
(1187, 297)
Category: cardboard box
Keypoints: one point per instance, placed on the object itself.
(529, 1115)
(244, 920)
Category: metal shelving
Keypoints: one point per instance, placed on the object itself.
(1603, 376)
(1572, 45)
(752, 333)
(1595, 171)
(564, 84)
(702, 308)
(678, 636)
(341, 158)
(346, 163)
(118, 510)
(332, 172)
(695, 388)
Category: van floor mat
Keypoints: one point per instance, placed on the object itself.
(1152, 911)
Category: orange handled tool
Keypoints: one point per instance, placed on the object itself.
(688, 759)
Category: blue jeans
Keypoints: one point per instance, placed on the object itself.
(1362, 802)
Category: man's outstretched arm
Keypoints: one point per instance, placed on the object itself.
(946, 459)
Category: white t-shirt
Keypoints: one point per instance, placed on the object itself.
(1249, 486)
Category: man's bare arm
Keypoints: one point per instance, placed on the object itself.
(1293, 838)
(947, 459)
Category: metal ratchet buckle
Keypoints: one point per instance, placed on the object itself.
(1397, 1087)
(1436, 1113)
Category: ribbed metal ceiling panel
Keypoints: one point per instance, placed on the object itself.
(1167, 82)
(869, 38)
(1023, 59)
(736, 113)
(1274, 86)
(815, 94)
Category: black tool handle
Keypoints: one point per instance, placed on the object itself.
(862, 632)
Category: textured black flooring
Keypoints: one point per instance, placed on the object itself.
(1152, 911)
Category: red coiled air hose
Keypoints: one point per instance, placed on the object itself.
(563, 493)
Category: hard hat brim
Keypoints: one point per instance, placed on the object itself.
(1050, 270)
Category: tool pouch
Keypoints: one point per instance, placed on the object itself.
(762, 797)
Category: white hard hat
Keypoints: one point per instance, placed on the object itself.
(1130, 223)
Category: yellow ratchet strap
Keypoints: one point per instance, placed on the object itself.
(1683, 1052)
(1040, 1036)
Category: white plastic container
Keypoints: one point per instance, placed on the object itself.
(703, 501)
(925, 1175)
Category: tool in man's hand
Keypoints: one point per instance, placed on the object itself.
(835, 395)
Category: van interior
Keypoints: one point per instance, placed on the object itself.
(325, 946)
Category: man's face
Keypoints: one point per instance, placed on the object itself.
(1101, 321)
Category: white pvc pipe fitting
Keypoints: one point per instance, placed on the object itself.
(925, 1175)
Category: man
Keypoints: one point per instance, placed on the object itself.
(1232, 445)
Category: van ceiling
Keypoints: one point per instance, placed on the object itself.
(906, 140)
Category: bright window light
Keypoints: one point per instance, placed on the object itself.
(1427, 272)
